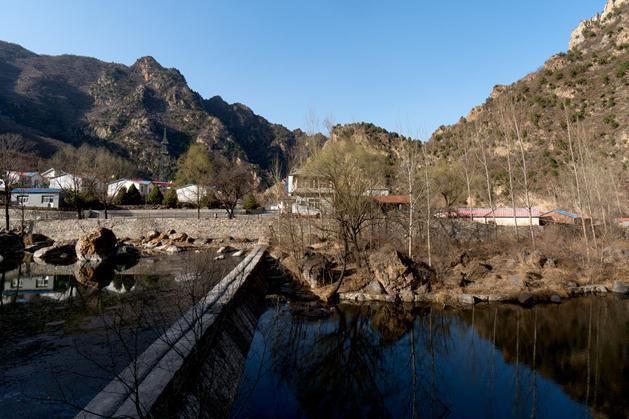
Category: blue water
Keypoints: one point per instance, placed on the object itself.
(560, 361)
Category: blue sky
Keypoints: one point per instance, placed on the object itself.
(402, 64)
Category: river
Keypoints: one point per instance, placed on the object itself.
(569, 360)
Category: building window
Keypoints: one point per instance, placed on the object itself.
(15, 283)
(47, 199)
(22, 199)
(41, 283)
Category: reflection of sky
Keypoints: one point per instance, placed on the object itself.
(470, 377)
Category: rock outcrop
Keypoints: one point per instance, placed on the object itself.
(399, 275)
(60, 253)
(96, 246)
(315, 269)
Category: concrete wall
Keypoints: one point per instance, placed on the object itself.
(243, 227)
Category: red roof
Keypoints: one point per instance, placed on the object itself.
(487, 212)
(392, 199)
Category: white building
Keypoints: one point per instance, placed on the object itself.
(66, 181)
(501, 216)
(143, 186)
(191, 194)
(52, 173)
(37, 197)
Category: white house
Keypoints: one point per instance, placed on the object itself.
(66, 181)
(191, 194)
(37, 197)
(23, 179)
(52, 173)
(502, 216)
(143, 186)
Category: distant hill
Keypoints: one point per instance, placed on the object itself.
(56, 101)
(591, 80)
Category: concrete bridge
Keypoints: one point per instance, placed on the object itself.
(146, 386)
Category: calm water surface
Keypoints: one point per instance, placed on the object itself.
(561, 361)
(62, 341)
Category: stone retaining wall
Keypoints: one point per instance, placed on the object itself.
(250, 227)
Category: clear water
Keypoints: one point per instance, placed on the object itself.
(561, 361)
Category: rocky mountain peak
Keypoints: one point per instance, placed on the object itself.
(586, 27)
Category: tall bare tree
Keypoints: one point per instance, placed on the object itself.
(9, 144)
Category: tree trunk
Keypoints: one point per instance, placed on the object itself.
(7, 204)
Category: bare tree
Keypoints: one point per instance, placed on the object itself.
(482, 158)
(9, 144)
(232, 181)
(527, 199)
(409, 167)
(505, 128)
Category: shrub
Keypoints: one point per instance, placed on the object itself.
(250, 203)
(155, 196)
(119, 199)
(133, 196)
(170, 198)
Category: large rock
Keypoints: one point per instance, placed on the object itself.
(398, 273)
(619, 287)
(94, 274)
(61, 253)
(10, 245)
(96, 246)
(315, 269)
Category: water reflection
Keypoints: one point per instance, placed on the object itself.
(388, 361)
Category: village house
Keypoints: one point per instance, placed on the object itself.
(37, 197)
(310, 194)
(51, 173)
(191, 194)
(67, 182)
(23, 179)
(143, 186)
(502, 216)
(559, 216)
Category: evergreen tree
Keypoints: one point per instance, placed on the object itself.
(119, 199)
(133, 196)
(170, 198)
(155, 196)
(250, 203)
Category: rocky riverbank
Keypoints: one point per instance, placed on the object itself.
(470, 277)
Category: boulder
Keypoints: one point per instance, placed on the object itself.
(225, 249)
(150, 235)
(239, 253)
(96, 246)
(36, 238)
(315, 269)
(10, 244)
(467, 299)
(374, 287)
(60, 253)
(396, 272)
(555, 299)
(172, 249)
(525, 298)
(178, 237)
(619, 287)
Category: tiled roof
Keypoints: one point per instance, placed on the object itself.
(392, 199)
(36, 190)
(487, 212)
(562, 212)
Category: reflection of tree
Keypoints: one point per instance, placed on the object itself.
(580, 345)
(341, 367)
(335, 370)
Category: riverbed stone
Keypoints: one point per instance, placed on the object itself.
(96, 246)
(555, 299)
(396, 272)
(525, 298)
(315, 269)
(619, 287)
(60, 253)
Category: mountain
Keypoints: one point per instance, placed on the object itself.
(590, 81)
(56, 101)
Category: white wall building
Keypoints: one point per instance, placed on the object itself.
(143, 186)
(66, 181)
(191, 194)
(37, 197)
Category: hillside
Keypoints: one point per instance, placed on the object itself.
(55, 101)
(591, 81)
